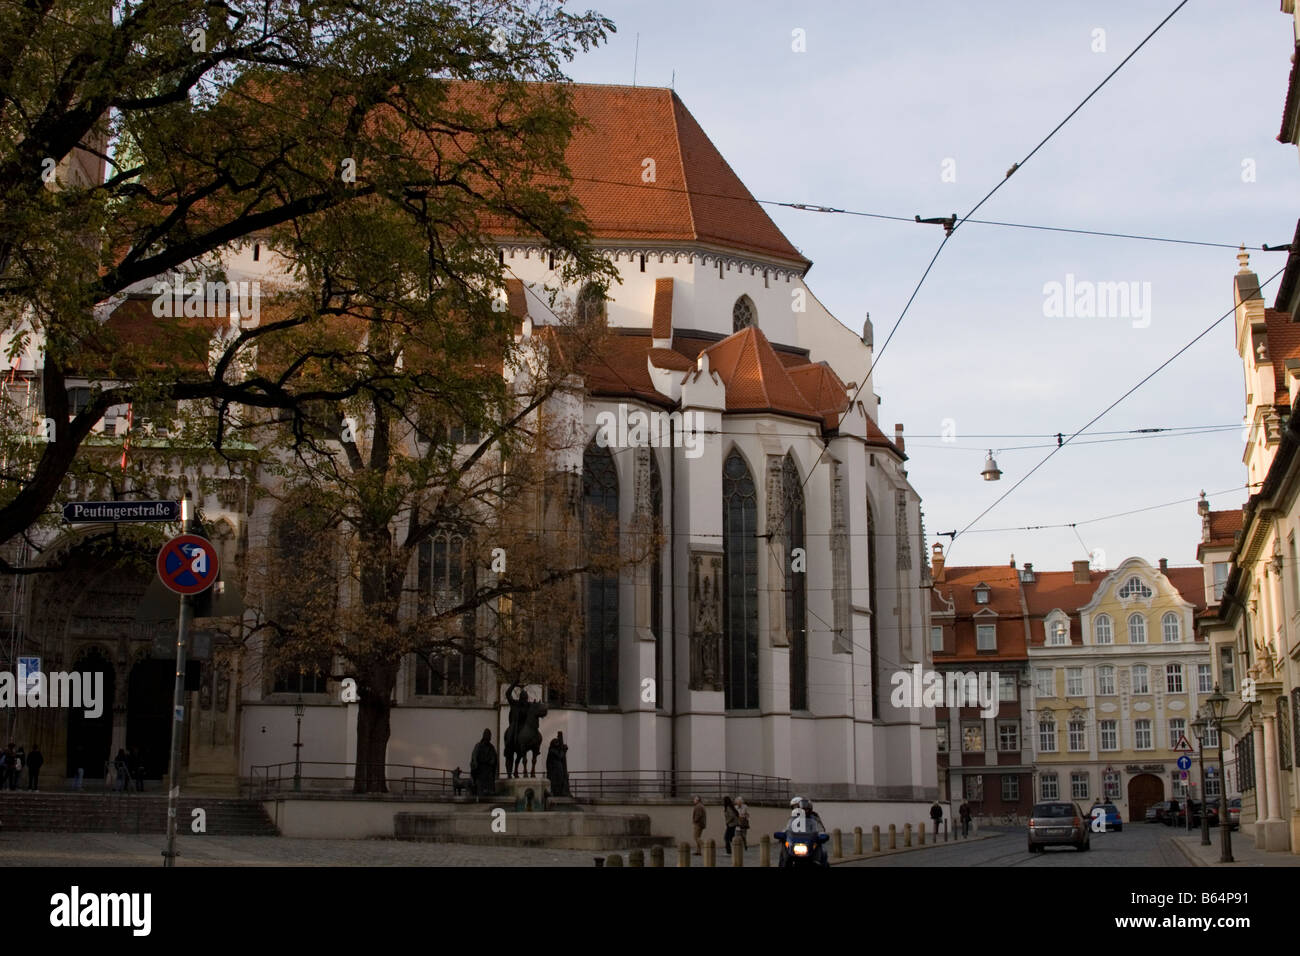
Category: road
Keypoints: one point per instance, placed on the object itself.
(1138, 844)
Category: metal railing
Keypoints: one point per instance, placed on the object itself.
(339, 777)
(711, 786)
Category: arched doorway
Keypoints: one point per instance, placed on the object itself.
(149, 700)
(90, 739)
(1143, 790)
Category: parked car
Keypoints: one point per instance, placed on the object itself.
(1194, 807)
(1058, 823)
(1113, 820)
(1234, 813)
(1159, 811)
(1171, 813)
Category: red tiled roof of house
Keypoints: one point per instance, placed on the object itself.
(1224, 526)
(1190, 583)
(1057, 589)
(824, 390)
(959, 585)
(755, 377)
(662, 325)
(670, 359)
(1283, 344)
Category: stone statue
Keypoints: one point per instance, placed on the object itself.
(484, 766)
(557, 766)
(524, 735)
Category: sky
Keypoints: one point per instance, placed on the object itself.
(909, 109)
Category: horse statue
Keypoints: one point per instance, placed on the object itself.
(524, 735)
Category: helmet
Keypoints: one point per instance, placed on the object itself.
(806, 804)
(796, 802)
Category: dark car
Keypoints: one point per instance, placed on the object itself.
(1058, 823)
(1113, 820)
(1159, 811)
(1234, 813)
(1194, 807)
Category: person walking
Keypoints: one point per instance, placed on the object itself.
(699, 820)
(137, 769)
(730, 819)
(16, 770)
(964, 813)
(35, 760)
(121, 767)
(936, 814)
(742, 814)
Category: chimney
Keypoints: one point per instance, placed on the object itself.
(1013, 560)
(1081, 574)
(898, 436)
(936, 562)
(1203, 509)
(1164, 565)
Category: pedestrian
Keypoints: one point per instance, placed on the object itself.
(730, 819)
(16, 771)
(35, 760)
(742, 813)
(137, 769)
(110, 775)
(964, 813)
(122, 769)
(936, 814)
(699, 820)
(6, 758)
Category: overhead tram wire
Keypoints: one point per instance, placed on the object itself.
(1150, 375)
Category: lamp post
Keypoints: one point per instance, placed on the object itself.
(1198, 728)
(299, 708)
(1218, 703)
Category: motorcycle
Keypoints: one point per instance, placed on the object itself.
(802, 849)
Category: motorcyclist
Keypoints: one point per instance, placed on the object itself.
(803, 819)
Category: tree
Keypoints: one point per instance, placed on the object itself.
(148, 137)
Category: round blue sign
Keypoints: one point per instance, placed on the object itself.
(1184, 762)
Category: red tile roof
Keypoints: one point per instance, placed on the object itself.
(755, 377)
(824, 390)
(1283, 344)
(1224, 526)
(662, 326)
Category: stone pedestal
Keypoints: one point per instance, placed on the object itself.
(514, 791)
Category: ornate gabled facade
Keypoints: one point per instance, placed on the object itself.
(792, 579)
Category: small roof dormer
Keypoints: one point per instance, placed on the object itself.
(982, 592)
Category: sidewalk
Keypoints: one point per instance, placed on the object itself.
(1243, 851)
(850, 857)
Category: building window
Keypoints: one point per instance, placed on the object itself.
(1108, 735)
(1295, 717)
(740, 572)
(972, 738)
(1006, 688)
(1044, 682)
(1177, 728)
(1221, 569)
(986, 637)
(981, 595)
(1008, 737)
(941, 738)
(936, 639)
(1047, 736)
(1227, 674)
(657, 575)
(796, 584)
(1134, 587)
(591, 303)
(1047, 787)
(1140, 684)
(1074, 682)
(1204, 679)
(1079, 786)
(1211, 738)
(1106, 680)
(445, 580)
(600, 509)
(1111, 785)
(1010, 788)
(1059, 634)
(1179, 787)
(1102, 630)
(1174, 678)
(1142, 735)
(742, 314)
(1283, 735)
(1137, 629)
(1211, 785)
(303, 590)
(1172, 632)
(1078, 737)
(975, 788)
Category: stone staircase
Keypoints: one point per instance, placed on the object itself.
(552, 829)
(23, 810)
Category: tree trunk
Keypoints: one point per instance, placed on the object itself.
(375, 689)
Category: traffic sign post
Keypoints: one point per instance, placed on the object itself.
(188, 565)
(1184, 764)
(75, 512)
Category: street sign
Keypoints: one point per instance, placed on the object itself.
(81, 511)
(1182, 744)
(1184, 762)
(29, 669)
(1209, 772)
(187, 564)
(1182, 775)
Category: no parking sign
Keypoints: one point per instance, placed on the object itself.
(187, 564)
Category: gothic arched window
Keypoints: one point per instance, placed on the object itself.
(740, 573)
(445, 577)
(600, 506)
(591, 303)
(657, 575)
(796, 582)
(742, 314)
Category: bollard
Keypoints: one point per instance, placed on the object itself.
(857, 841)
(710, 853)
(893, 837)
(907, 834)
(921, 831)
(875, 838)
(636, 858)
(656, 856)
(683, 854)
(738, 851)
(945, 831)
(765, 851)
(600, 860)
(837, 844)
(614, 859)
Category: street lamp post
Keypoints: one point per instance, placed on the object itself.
(1217, 703)
(1198, 728)
(299, 709)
